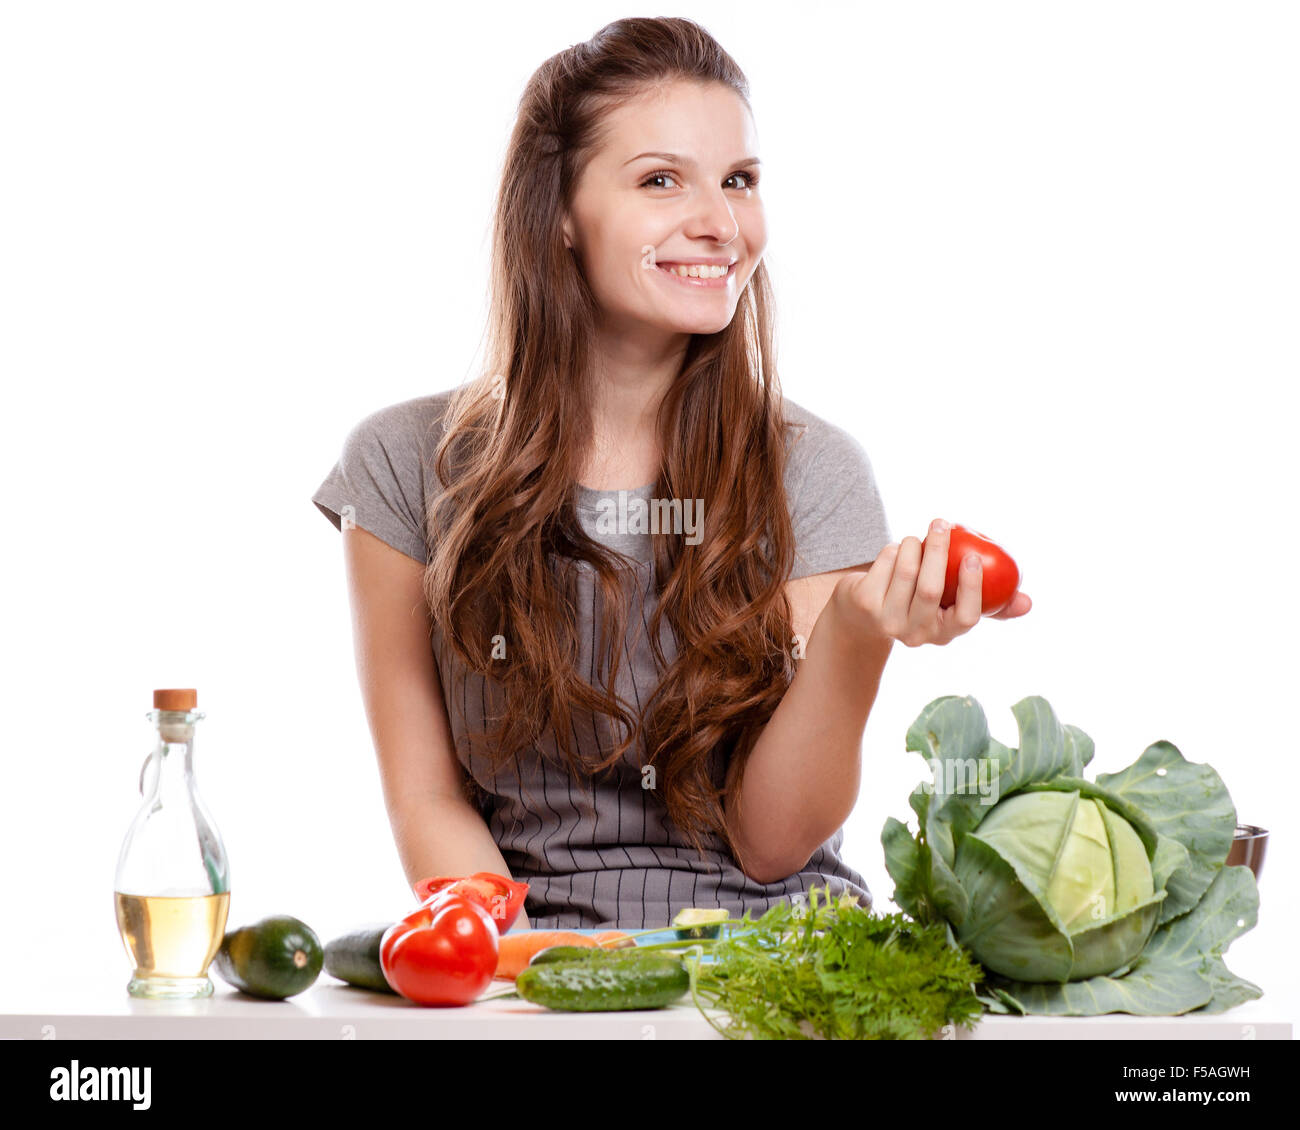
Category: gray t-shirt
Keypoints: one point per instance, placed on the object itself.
(600, 852)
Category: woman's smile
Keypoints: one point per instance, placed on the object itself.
(710, 274)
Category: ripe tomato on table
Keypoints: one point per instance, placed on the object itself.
(444, 953)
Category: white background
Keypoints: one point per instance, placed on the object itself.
(1039, 258)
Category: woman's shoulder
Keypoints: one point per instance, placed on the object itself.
(819, 448)
(385, 477)
(835, 503)
(413, 421)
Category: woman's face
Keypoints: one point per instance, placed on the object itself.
(673, 186)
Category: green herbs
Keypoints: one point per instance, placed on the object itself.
(833, 969)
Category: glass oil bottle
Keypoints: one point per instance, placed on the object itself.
(172, 887)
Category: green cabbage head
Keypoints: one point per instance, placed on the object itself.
(1088, 876)
(1078, 897)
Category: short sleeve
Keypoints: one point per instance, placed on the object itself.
(378, 481)
(836, 509)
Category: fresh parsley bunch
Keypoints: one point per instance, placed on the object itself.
(832, 968)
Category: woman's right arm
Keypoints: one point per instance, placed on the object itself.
(436, 828)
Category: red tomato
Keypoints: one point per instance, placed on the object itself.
(445, 953)
(1001, 577)
(502, 898)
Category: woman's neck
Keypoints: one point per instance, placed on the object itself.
(631, 378)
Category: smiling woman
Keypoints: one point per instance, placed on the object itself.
(670, 239)
(603, 694)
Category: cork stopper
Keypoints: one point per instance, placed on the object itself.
(187, 699)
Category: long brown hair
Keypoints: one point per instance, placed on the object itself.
(505, 534)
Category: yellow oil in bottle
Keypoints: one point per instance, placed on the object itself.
(171, 940)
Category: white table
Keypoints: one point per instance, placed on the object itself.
(95, 1006)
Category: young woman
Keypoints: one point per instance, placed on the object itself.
(620, 610)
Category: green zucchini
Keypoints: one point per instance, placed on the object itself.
(605, 981)
(354, 958)
(275, 958)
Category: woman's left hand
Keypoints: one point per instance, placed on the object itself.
(899, 595)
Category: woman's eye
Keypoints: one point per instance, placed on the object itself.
(656, 176)
(750, 179)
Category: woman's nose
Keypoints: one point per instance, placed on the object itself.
(715, 220)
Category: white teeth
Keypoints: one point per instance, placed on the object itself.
(697, 272)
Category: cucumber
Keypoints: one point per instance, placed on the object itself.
(275, 958)
(606, 981)
(563, 953)
(354, 958)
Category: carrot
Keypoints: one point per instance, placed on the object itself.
(614, 939)
(516, 950)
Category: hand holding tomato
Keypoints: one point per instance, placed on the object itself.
(1000, 576)
(929, 592)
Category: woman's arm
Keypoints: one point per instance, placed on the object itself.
(801, 779)
(436, 828)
